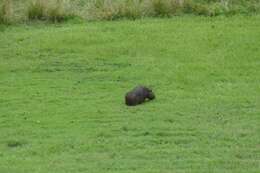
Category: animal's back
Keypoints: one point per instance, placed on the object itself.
(130, 99)
(138, 95)
(135, 96)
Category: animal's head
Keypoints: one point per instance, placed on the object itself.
(150, 94)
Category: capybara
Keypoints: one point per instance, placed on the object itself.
(138, 95)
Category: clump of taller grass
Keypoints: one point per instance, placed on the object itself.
(59, 11)
(103, 10)
(166, 8)
(190, 7)
(1, 15)
(112, 10)
(216, 9)
(6, 12)
(254, 8)
(54, 11)
(132, 9)
(161, 8)
(36, 10)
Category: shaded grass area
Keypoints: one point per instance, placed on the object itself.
(62, 89)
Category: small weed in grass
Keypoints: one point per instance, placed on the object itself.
(14, 143)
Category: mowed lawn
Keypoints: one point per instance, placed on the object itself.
(62, 93)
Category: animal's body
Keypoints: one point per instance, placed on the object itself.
(138, 95)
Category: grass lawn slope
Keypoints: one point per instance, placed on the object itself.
(62, 96)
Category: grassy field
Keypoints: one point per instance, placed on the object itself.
(62, 96)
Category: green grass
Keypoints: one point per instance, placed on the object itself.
(62, 96)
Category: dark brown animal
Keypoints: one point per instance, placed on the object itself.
(138, 95)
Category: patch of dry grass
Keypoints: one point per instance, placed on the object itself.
(6, 12)
(55, 11)
(60, 10)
